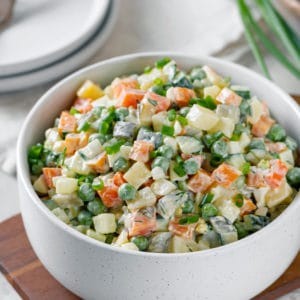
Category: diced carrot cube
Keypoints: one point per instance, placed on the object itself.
(247, 207)
(200, 182)
(83, 105)
(180, 95)
(225, 175)
(256, 179)
(141, 150)
(75, 141)
(262, 126)
(67, 123)
(109, 195)
(186, 231)
(118, 179)
(161, 103)
(278, 170)
(49, 173)
(128, 83)
(99, 164)
(130, 97)
(143, 222)
(228, 96)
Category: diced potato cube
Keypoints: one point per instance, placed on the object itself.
(60, 213)
(96, 235)
(177, 128)
(130, 246)
(137, 174)
(211, 91)
(158, 173)
(77, 164)
(162, 187)
(278, 195)
(105, 223)
(59, 146)
(104, 101)
(256, 110)
(226, 125)
(229, 111)
(261, 211)
(170, 141)
(40, 185)
(244, 140)
(52, 136)
(145, 113)
(287, 157)
(234, 147)
(228, 209)
(66, 185)
(67, 200)
(188, 144)
(214, 77)
(144, 198)
(202, 118)
(90, 90)
(160, 119)
(122, 238)
(92, 149)
(178, 245)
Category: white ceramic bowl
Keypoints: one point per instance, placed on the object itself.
(94, 270)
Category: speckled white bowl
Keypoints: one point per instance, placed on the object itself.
(94, 270)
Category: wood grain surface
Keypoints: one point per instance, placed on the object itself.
(27, 275)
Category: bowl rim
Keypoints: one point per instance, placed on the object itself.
(23, 177)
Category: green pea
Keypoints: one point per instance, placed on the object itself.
(35, 151)
(103, 127)
(208, 210)
(121, 164)
(276, 133)
(191, 166)
(85, 218)
(141, 242)
(127, 191)
(159, 64)
(97, 184)
(86, 192)
(166, 151)
(293, 177)
(220, 148)
(161, 162)
(184, 111)
(96, 207)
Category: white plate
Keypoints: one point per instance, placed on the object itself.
(42, 32)
(66, 65)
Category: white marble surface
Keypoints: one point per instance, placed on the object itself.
(191, 26)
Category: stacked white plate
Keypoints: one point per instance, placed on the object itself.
(46, 39)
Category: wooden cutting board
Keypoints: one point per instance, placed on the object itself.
(32, 281)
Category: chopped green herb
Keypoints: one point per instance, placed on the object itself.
(74, 111)
(207, 198)
(189, 220)
(167, 130)
(172, 115)
(246, 168)
(182, 120)
(153, 102)
(277, 133)
(159, 64)
(97, 184)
